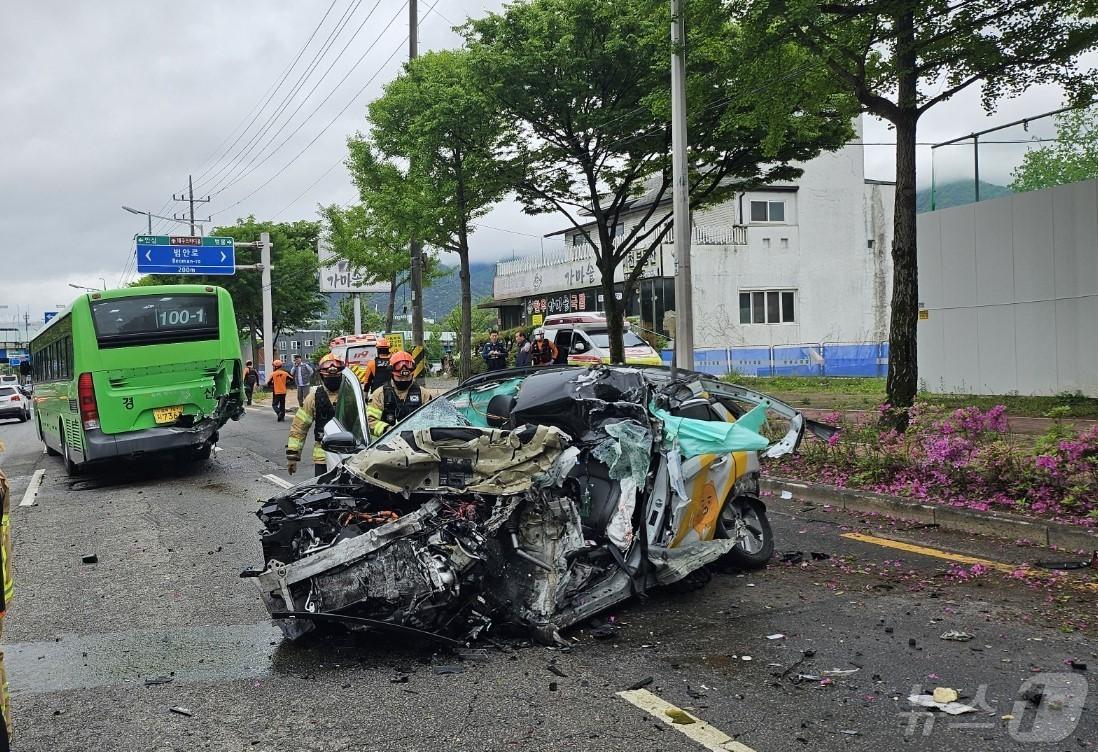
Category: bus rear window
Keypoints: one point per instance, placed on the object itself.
(155, 319)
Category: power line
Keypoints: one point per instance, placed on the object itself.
(226, 170)
(319, 105)
(353, 99)
(263, 100)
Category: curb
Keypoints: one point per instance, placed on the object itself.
(998, 524)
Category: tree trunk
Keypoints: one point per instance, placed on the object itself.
(615, 317)
(390, 312)
(465, 335)
(903, 356)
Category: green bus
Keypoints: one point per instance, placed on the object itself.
(145, 369)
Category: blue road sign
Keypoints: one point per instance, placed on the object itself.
(183, 254)
(47, 316)
(14, 361)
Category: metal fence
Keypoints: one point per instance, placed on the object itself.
(824, 359)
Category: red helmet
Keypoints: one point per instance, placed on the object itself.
(402, 363)
(383, 342)
(330, 363)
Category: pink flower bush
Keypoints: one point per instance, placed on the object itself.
(963, 458)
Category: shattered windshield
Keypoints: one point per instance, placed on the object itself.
(468, 407)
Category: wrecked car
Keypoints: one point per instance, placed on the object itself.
(531, 498)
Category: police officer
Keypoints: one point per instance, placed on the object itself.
(397, 399)
(317, 409)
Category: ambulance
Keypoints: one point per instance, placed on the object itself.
(584, 339)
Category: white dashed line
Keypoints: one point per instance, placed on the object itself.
(278, 481)
(32, 489)
(705, 734)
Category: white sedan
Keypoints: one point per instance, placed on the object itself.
(14, 403)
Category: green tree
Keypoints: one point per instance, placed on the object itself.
(377, 249)
(372, 321)
(431, 163)
(900, 58)
(1072, 158)
(587, 82)
(295, 291)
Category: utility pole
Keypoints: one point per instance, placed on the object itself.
(268, 313)
(191, 200)
(416, 249)
(358, 313)
(684, 292)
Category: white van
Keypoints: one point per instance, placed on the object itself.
(584, 339)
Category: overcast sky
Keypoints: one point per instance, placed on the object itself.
(114, 103)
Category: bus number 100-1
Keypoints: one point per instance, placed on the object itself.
(176, 318)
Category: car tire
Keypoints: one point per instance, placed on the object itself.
(754, 549)
(202, 452)
(25, 416)
(72, 469)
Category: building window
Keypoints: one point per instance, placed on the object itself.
(308, 343)
(766, 243)
(281, 346)
(768, 306)
(767, 211)
(785, 242)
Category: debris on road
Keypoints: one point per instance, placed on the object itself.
(90, 559)
(1076, 665)
(553, 669)
(945, 694)
(643, 683)
(952, 708)
(679, 716)
(455, 669)
(153, 681)
(956, 635)
(776, 636)
(180, 710)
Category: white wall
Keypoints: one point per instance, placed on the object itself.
(1011, 291)
(843, 286)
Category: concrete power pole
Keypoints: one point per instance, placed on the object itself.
(416, 277)
(268, 311)
(191, 201)
(684, 292)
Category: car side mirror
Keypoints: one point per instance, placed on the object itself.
(340, 442)
(578, 347)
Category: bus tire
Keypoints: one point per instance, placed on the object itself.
(50, 451)
(202, 452)
(72, 469)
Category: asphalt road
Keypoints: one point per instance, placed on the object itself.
(99, 654)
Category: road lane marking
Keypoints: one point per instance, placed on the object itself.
(948, 555)
(278, 481)
(931, 552)
(705, 734)
(32, 488)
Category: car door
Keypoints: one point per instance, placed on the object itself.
(563, 341)
(707, 478)
(347, 433)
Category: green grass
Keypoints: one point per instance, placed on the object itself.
(867, 393)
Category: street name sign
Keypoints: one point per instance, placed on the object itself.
(185, 254)
(47, 316)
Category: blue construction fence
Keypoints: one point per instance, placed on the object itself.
(837, 359)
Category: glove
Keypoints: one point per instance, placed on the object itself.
(291, 466)
(380, 427)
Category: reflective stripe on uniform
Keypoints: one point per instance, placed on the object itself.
(374, 412)
(379, 427)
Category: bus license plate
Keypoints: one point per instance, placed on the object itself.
(167, 414)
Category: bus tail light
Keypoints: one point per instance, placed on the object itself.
(89, 411)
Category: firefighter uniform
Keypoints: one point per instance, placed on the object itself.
(387, 405)
(7, 591)
(317, 409)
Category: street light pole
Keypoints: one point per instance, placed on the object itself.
(268, 313)
(416, 276)
(684, 292)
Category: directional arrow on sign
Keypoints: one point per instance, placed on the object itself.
(148, 255)
(223, 256)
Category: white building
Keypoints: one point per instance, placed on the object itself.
(801, 263)
(1008, 292)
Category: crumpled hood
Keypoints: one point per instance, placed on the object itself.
(467, 459)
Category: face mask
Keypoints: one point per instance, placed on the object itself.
(331, 383)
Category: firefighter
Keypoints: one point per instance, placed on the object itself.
(542, 351)
(6, 591)
(397, 399)
(317, 409)
(379, 370)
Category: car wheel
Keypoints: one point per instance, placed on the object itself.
(72, 469)
(25, 416)
(744, 519)
(202, 452)
(41, 435)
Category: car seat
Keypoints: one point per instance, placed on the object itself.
(499, 411)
